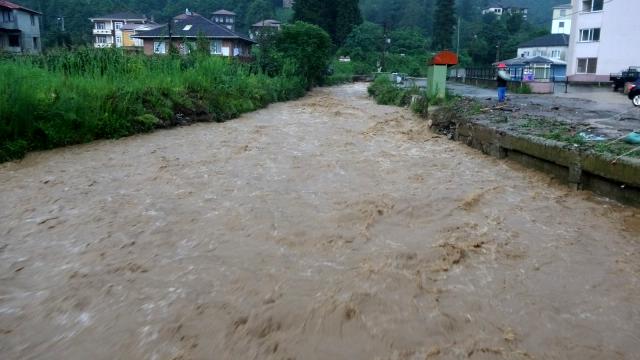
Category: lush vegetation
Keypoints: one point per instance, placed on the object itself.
(337, 17)
(67, 97)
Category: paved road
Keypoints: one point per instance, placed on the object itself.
(324, 228)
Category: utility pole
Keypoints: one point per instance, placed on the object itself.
(168, 50)
(458, 42)
(384, 46)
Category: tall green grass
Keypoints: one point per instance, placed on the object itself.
(66, 97)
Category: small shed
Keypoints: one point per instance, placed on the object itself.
(437, 72)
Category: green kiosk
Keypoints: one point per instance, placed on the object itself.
(437, 73)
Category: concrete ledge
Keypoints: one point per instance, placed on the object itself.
(580, 170)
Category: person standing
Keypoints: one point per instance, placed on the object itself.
(502, 79)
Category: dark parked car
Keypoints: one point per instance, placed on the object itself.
(630, 75)
(634, 93)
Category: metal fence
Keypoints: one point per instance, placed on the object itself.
(518, 74)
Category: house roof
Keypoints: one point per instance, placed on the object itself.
(140, 27)
(547, 40)
(10, 5)
(125, 15)
(523, 61)
(192, 26)
(267, 23)
(563, 6)
(224, 12)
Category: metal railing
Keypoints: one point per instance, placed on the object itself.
(518, 74)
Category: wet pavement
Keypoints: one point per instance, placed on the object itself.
(599, 109)
(324, 228)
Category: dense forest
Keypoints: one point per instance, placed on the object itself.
(482, 38)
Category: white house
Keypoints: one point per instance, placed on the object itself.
(553, 46)
(604, 39)
(287, 4)
(561, 21)
(499, 10)
(107, 29)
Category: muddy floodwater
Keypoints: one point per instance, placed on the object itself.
(324, 228)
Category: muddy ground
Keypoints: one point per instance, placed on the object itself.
(324, 228)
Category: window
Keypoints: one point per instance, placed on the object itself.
(14, 40)
(118, 25)
(555, 54)
(592, 5)
(33, 20)
(187, 27)
(100, 26)
(563, 13)
(216, 47)
(101, 39)
(590, 35)
(35, 43)
(159, 47)
(561, 25)
(525, 54)
(587, 65)
(7, 16)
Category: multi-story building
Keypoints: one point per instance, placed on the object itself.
(561, 21)
(187, 29)
(19, 29)
(130, 30)
(107, 29)
(225, 18)
(604, 39)
(553, 46)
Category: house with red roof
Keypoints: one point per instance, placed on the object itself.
(19, 29)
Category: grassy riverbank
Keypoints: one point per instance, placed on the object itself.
(65, 98)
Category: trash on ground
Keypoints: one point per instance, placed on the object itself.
(633, 138)
(592, 137)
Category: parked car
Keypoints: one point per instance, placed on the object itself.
(630, 75)
(634, 93)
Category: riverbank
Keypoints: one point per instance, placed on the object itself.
(574, 144)
(72, 97)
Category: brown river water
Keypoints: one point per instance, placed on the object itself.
(324, 228)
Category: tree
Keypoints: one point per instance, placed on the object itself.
(347, 18)
(445, 22)
(308, 46)
(336, 17)
(408, 41)
(259, 10)
(364, 43)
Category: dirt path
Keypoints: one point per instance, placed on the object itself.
(325, 228)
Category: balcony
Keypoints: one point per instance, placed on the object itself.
(9, 25)
(101, 31)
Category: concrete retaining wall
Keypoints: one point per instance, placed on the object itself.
(581, 170)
